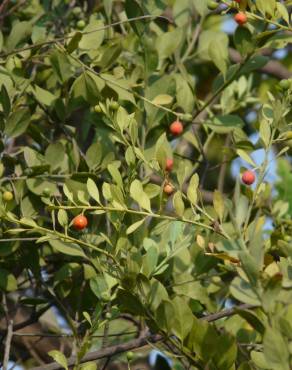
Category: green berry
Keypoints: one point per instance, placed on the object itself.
(187, 117)
(108, 315)
(97, 108)
(212, 5)
(284, 84)
(114, 105)
(130, 356)
(47, 192)
(77, 10)
(80, 24)
(7, 196)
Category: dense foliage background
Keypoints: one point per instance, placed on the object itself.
(178, 253)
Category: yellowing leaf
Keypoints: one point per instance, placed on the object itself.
(162, 99)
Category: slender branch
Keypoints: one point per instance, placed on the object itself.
(8, 341)
(226, 313)
(68, 37)
(31, 320)
(137, 343)
(136, 212)
(9, 334)
(64, 335)
(106, 352)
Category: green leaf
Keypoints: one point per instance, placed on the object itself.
(134, 226)
(178, 203)
(94, 155)
(183, 318)
(62, 217)
(74, 42)
(59, 357)
(133, 9)
(201, 6)
(84, 86)
(93, 190)
(138, 194)
(7, 281)
(5, 100)
(55, 155)
(61, 66)
(219, 56)
(193, 189)
(184, 94)
(283, 11)
(250, 267)
(276, 349)
(265, 132)
(17, 122)
(243, 154)
(115, 174)
(168, 43)
(243, 40)
(243, 291)
(225, 124)
(218, 202)
(70, 249)
(43, 96)
(226, 352)
(19, 32)
(266, 7)
(94, 38)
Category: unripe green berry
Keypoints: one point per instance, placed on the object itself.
(97, 108)
(108, 315)
(47, 192)
(77, 10)
(212, 5)
(114, 105)
(284, 84)
(187, 117)
(7, 196)
(130, 356)
(80, 24)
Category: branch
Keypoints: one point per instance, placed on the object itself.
(106, 352)
(273, 67)
(8, 344)
(226, 313)
(137, 343)
(31, 320)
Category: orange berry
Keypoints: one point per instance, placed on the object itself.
(240, 18)
(168, 188)
(169, 164)
(80, 222)
(248, 177)
(176, 128)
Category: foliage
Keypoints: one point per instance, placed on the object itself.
(84, 122)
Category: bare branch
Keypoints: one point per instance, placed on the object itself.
(137, 343)
(9, 334)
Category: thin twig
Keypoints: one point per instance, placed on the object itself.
(64, 335)
(9, 334)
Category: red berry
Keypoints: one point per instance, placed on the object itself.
(240, 18)
(80, 222)
(168, 188)
(237, 1)
(169, 164)
(176, 128)
(248, 177)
